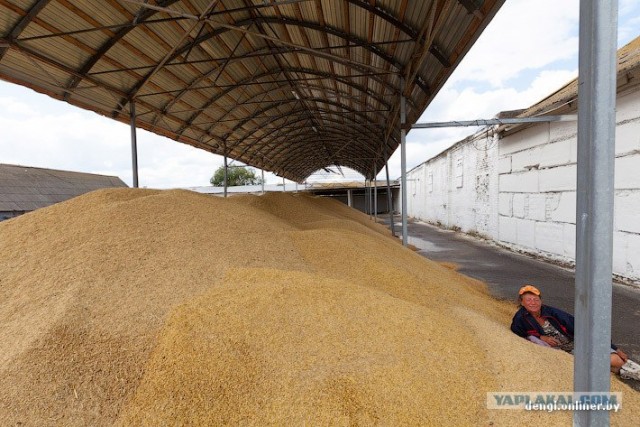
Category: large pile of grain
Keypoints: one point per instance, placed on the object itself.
(139, 307)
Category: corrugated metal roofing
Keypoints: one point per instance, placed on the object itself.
(25, 188)
(290, 86)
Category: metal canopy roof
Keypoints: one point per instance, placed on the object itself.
(289, 86)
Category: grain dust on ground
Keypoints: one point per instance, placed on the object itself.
(142, 307)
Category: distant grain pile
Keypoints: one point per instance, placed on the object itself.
(139, 307)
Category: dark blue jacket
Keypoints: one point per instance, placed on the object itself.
(524, 324)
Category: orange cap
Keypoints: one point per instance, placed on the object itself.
(529, 288)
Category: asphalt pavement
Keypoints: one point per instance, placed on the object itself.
(505, 272)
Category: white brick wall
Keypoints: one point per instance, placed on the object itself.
(628, 172)
(620, 252)
(537, 207)
(628, 137)
(561, 207)
(522, 190)
(464, 190)
(627, 211)
(569, 240)
(627, 107)
(528, 138)
(561, 131)
(520, 205)
(632, 260)
(507, 229)
(555, 154)
(506, 204)
(504, 165)
(526, 233)
(526, 160)
(519, 182)
(561, 178)
(549, 237)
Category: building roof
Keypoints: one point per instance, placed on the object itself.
(564, 100)
(24, 188)
(289, 86)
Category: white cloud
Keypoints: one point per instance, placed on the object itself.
(525, 34)
(12, 107)
(43, 132)
(68, 140)
(161, 160)
(628, 26)
(546, 83)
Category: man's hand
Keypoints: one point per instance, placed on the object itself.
(622, 355)
(550, 340)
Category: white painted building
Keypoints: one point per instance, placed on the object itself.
(516, 185)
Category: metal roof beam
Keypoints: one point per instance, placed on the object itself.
(284, 102)
(331, 134)
(180, 62)
(358, 147)
(27, 18)
(250, 79)
(385, 15)
(361, 89)
(472, 6)
(238, 26)
(169, 55)
(112, 41)
(298, 157)
(491, 122)
(266, 4)
(249, 83)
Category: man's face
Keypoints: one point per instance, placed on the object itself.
(531, 302)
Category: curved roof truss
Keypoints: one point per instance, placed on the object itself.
(290, 86)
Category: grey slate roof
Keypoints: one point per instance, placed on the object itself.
(24, 188)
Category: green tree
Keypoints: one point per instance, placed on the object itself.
(236, 175)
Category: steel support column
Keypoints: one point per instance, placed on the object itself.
(226, 167)
(389, 196)
(595, 195)
(350, 198)
(403, 160)
(134, 144)
(375, 198)
(366, 197)
(262, 181)
(369, 201)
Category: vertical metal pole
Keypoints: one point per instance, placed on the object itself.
(262, 181)
(375, 197)
(368, 185)
(594, 207)
(225, 174)
(350, 198)
(284, 188)
(365, 196)
(134, 143)
(389, 195)
(403, 160)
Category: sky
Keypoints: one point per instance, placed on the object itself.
(527, 52)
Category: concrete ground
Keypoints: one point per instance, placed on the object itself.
(505, 272)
